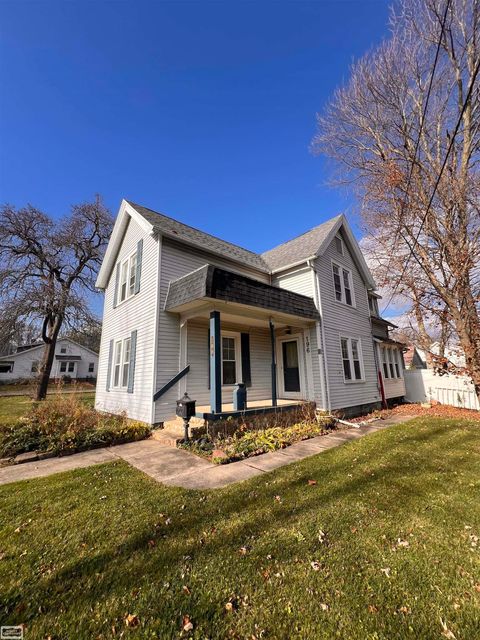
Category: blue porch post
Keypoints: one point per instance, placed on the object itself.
(215, 364)
(274, 365)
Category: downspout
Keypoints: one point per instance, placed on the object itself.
(322, 356)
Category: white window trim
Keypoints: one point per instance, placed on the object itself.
(342, 285)
(127, 260)
(349, 339)
(392, 355)
(238, 357)
(122, 341)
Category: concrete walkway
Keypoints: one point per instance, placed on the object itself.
(178, 468)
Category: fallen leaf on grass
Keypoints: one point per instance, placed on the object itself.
(446, 631)
(386, 571)
(131, 620)
(187, 624)
(315, 565)
(372, 608)
(186, 590)
(312, 482)
(324, 606)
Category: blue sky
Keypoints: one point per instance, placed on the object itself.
(202, 110)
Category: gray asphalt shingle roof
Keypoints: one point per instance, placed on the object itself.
(211, 282)
(181, 231)
(299, 248)
(293, 251)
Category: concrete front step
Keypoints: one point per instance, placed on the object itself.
(167, 437)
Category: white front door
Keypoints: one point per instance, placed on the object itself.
(290, 374)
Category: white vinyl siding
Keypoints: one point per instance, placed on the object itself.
(119, 322)
(348, 321)
(298, 280)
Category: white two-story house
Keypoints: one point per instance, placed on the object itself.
(188, 312)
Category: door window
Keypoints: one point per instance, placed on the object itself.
(291, 373)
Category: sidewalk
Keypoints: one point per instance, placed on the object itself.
(178, 468)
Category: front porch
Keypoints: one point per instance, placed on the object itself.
(237, 330)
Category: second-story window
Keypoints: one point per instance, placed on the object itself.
(128, 273)
(342, 281)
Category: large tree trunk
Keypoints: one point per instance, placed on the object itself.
(467, 324)
(51, 329)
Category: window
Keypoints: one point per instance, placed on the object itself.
(337, 282)
(385, 363)
(347, 370)
(71, 367)
(390, 362)
(34, 368)
(91, 367)
(342, 281)
(128, 275)
(6, 367)
(121, 363)
(63, 367)
(373, 305)
(339, 244)
(397, 362)
(352, 359)
(63, 350)
(229, 360)
(346, 286)
(125, 361)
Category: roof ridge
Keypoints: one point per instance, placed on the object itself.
(159, 213)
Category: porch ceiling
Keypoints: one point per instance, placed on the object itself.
(236, 294)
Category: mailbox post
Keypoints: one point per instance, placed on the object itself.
(185, 410)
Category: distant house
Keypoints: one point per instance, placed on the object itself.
(186, 311)
(416, 358)
(71, 359)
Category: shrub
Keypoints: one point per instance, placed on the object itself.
(65, 424)
(245, 444)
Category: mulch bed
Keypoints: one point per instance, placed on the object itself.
(416, 410)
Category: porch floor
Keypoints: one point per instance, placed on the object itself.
(254, 407)
(251, 404)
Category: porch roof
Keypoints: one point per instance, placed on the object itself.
(211, 283)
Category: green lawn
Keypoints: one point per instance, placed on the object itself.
(14, 407)
(383, 546)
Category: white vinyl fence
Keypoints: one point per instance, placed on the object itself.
(422, 385)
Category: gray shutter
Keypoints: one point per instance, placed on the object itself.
(131, 367)
(138, 273)
(245, 348)
(117, 280)
(109, 367)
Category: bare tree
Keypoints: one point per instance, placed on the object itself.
(48, 271)
(393, 148)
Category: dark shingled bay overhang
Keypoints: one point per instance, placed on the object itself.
(212, 283)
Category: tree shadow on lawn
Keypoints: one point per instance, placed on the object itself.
(245, 514)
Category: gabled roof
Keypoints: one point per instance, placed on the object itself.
(42, 346)
(313, 243)
(306, 246)
(300, 248)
